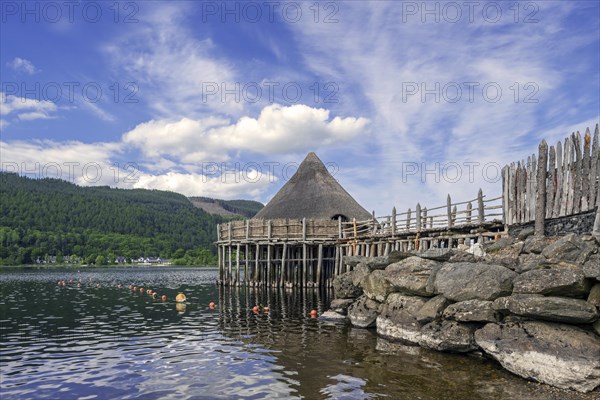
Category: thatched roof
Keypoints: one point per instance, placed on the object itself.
(314, 194)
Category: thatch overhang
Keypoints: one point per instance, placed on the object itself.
(313, 193)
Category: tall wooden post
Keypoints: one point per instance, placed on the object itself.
(237, 264)
(480, 207)
(469, 212)
(319, 279)
(247, 264)
(257, 263)
(540, 208)
(283, 266)
(418, 217)
(394, 222)
(304, 254)
(230, 273)
(449, 210)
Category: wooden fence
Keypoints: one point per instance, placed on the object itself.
(559, 181)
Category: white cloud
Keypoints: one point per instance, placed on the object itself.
(26, 109)
(21, 64)
(278, 129)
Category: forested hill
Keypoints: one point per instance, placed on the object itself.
(50, 217)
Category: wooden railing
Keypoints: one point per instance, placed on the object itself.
(422, 219)
(279, 229)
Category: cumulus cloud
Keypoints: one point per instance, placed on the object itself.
(21, 64)
(276, 130)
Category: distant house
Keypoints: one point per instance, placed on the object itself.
(121, 260)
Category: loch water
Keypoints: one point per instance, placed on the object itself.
(95, 338)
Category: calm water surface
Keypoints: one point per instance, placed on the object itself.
(100, 341)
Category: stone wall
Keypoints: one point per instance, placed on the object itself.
(579, 223)
(532, 305)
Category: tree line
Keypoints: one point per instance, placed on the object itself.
(43, 219)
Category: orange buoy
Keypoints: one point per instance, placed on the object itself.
(211, 304)
(79, 285)
(313, 313)
(164, 298)
(266, 309)
(180, 298)
(255, 308)
(141, 290)
(154, 295)
(149, 291)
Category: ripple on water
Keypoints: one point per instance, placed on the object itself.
(97, 340)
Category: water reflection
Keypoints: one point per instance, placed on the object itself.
(92, 337)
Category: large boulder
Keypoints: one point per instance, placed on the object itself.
(468, 281)
(448, 336)
(556, 354)
(344, 288)
(472, 311)
(376, 286)
(571, 248)
(360, 272)
(412, 304)
(558, 309)
(537, 244)
(591, 268)
(412, 275)
(528, 262)
(504, 252)
(363, 312)
(562, 280)
(340, 306)
(398, 320)
(432, 309)
(437, 254)
(398, 324)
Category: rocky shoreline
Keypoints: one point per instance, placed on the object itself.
(530, 303)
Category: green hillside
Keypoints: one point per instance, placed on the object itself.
(50, 217)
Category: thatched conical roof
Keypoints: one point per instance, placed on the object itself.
(314, 194)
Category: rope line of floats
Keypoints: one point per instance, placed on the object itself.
(180, 298)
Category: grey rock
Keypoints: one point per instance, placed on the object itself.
(344, 288)
(360, 272)
(450, 336)
(472, 311)
(497, 245)
(558, 309)
(437, 254)
(591, 268)
(594, 297)
(398, 324)
(333, 316)
(528, 262)
(432, 309)
(353, 260)
(376, 286)
(535, 244)
(412, 304)
(555, 354)
(564, 280)
(411, 275)
(504, 254)
(340, 306)
(463, 256)
(469, 281)
(525, 233)
(571, 248)
(363, 312)
(596, 327)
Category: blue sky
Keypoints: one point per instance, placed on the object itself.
(404, 101)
